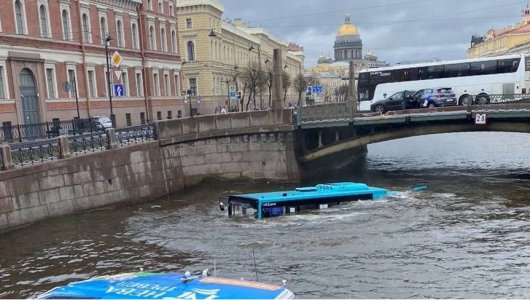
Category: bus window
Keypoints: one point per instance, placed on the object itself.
(456, 70)
(435, 72)
(507, 65)
(484, 67)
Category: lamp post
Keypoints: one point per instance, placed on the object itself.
(108, 38)
(189, 101)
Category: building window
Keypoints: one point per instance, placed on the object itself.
(159, 115)
(188, 23)
(163, 39)
(191, 51)
(177, 85)
(193, 86)
(43, 16)
(142, 118)
(150, 4)
(134, 36)
(73, 83)
(166, 85)
(66, 25)
(156, 85)
(124, 79)
(19, 18)
(86, 29)
(91, 84)
(169, 115)
(50, 83)
(171, 12)
(128, 119)
(160, 7)
(173, 41)
(103, 29)
(2, 89)
(139, 85)
(152, 38)
(119, 33)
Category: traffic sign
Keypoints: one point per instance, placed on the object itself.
(116, 59)
(232, 89)
(318, 89)
(481, 118)
(232, 95)
(118, 73)
(119, 91)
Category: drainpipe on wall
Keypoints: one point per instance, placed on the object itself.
(141, 16)
(83, 55)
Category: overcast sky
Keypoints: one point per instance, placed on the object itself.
(396, 30)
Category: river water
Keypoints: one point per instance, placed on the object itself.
(466, 236)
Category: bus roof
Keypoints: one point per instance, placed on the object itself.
(437, 63)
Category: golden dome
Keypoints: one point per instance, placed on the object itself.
(347, 29)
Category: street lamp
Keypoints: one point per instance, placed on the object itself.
(212, 33)
(189, 100)
(108, 38)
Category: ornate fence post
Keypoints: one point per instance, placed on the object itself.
(7, 159)
(64, 148)
(111, 139)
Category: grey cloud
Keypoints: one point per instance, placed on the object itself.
(401, 30)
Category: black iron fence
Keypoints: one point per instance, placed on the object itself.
(90, 142)
(18, 133)
(135, 134)
(26, 153)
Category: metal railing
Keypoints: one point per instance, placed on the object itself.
(89, 142)
(23, 132)
(135, 134)
(26, 153)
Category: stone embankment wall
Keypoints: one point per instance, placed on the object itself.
(255, 145)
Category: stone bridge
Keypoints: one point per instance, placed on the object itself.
(277, 144)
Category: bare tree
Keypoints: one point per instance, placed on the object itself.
(253, 80)
(300, 84)
(286, 84)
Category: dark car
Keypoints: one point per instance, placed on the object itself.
(400, 100)
(434, 97)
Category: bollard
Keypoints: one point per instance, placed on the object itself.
(64, 148)
(111, 139)
(6, 157)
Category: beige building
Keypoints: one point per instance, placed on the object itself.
(217, 51)
(508, 40)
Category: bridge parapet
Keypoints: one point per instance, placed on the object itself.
(328, 111)
(199, 127)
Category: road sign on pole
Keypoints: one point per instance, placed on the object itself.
(117, 73)
(119, 90)
(116, 59)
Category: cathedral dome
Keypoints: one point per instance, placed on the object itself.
(347, 29)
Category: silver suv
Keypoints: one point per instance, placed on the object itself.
(433, 97)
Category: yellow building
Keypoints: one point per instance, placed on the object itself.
(215, 51)
(508, 40)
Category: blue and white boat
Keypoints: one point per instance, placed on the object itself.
(274, 204)
(144, 285)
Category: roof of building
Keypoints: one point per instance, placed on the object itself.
(347, 29)
(215, 3)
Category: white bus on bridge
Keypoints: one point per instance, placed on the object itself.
(471, 79)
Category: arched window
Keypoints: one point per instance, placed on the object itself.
(103, 29)
(19, 18)
(66, 25)
(134, 32)
(191, 51)
(43, 16)
(152, 38)
(173, 41)
(163, 39)
(86, 29)
(119, 33)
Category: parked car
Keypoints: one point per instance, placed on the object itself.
(400, 100)
(434, 97)
(100, 122)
